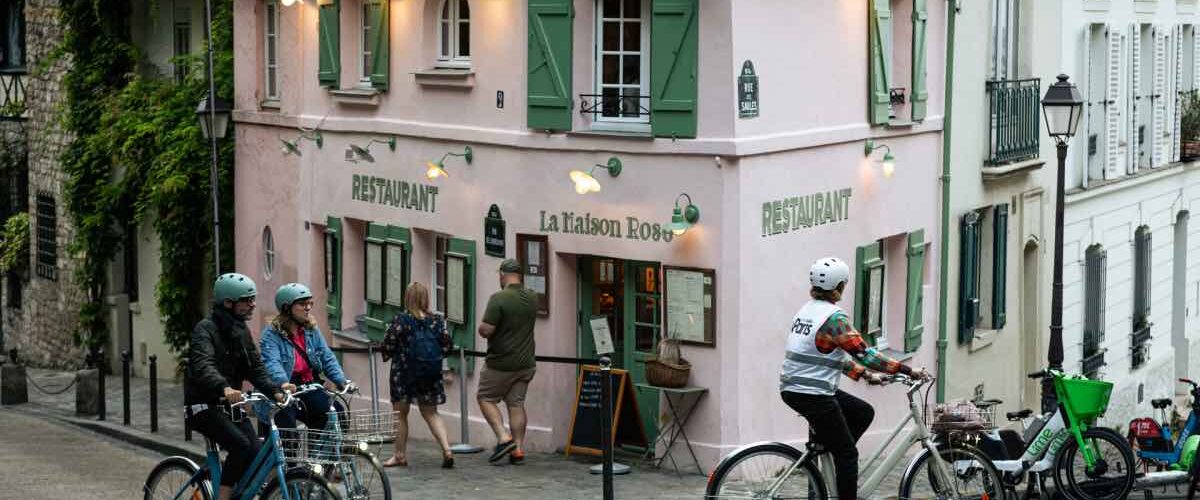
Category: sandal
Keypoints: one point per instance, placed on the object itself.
(393, 461)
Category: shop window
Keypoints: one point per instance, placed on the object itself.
(439, 274)
(454, 34)
(868, 303)
(47, 240)
(12, 34)
(983, 271)
(1095, 271)
(622, 63)
(533, 251)
(1140, 340)
(897, 74)
(271, 50)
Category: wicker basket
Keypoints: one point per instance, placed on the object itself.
(666, 374)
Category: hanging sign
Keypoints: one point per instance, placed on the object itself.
(747, 91)
(493, 232)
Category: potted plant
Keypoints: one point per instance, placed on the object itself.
(1189, 126)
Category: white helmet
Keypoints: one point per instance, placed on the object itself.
(828, 273)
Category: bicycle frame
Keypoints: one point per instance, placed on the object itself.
(1173, 456)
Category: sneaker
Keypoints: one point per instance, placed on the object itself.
(517, 457)
(501, 450)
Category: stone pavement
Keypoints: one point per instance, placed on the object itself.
(544, 475)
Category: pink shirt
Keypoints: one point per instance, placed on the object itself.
(300, 371)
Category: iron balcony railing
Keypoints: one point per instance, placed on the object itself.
(1014, 108)
(1093, 354)
(1140, 346)
(614, 105)
(12, 94)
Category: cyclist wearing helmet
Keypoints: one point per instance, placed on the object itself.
(293, 350)
(221, 357)
(820, 337)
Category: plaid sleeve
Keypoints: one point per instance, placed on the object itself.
(841, 333)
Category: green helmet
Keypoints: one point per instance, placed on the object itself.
(233, 286)
(289, 293)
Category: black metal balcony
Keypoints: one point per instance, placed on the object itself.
(12, 94)
(1014, 108)
(611, 105)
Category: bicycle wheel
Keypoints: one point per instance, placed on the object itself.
(175, 479)
(301, 485)
(1110, 479)
(972, 476)
(363, 478)
(751, 472)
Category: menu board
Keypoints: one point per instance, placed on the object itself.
(691, 305)
(455, 289)
(601, 336)
(584, 435)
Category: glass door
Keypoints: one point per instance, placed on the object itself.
(643, 329)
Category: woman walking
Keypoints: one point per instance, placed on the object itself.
(416, 343)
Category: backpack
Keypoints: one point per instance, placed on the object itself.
(1148, 435)
(424, 351)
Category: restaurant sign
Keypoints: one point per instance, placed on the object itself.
(395, 192)
(585, 224)
(803, 212)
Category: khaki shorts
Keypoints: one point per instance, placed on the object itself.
(495, 385)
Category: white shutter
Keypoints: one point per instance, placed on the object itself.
(1135, 93)
(1176, 109)
(1112, 96)
(1195, 54)
(1159, 157)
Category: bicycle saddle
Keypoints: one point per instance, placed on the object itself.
(1014, 416)
(1160, 404)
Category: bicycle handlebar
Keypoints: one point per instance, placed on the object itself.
(1189, 382)
(1039, 374)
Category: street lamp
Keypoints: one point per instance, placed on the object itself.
(213, 127)
(1062, 107)
(216, 111)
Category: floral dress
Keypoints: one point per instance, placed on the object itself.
(406, 388)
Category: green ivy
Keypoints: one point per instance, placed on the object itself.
(138, 151)
(14, 247)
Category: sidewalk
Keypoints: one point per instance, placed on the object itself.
(544, 475)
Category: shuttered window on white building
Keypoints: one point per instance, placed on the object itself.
(1095, 264)
(1140, 338)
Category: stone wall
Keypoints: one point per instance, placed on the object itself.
(44, 330)
(12, 145)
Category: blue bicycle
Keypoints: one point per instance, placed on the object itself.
(178, 478)
(1167, 450)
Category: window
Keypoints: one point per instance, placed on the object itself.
(47, 245)
(12, 34)
(370, 11)
(333, 271)
(895, 95)
(1141, 297)
(183, 47)
(271, 47)
(374, 281)
(983, 271)
(623, 61)
(1095, 269)
(1003, 58)
(268, 242)
(534, 254)
(454, 34)
(439, 273)
(388, 249)
(868, 304)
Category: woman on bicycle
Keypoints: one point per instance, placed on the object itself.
(293, 350)
(820, 337)
(221, 357)
(416, 342)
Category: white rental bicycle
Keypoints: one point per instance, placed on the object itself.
(943, 471)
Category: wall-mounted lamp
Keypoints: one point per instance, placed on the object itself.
(434, 170)
(289, 3)
(355, 153)
(293, 147)
(585, 183)
(684, 218)
(889, 160)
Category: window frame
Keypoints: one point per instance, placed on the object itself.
(441, 245)
(7, 50)
(1003, 54)
(450, 56)
(1142, 271)
(1095, 274)
(47, 236)
(634, 123)
(271, 41)
(541, 269)
(365, 39)
(268, 243)
(181, 45)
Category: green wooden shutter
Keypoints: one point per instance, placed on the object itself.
(381, 312)
(464, 335)
(880, 29)
(867, 257)
(968, 285)
(914, 324)
(674, 57)
(329, 49)
(333, 272)
(379, 46)
(548, 98)
(919, 95)
(999, 265)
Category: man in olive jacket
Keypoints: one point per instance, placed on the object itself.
(221, 357)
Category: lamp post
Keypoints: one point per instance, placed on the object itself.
(213, 114)
(1062, 108)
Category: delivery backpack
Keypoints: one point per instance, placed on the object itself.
(1148, 435)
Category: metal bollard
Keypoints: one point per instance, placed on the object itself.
(100, 372)
(125, 386)
(464, 445)
(153, 393)
(374, 385)
(606, 424)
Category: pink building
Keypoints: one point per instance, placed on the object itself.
(367, 93)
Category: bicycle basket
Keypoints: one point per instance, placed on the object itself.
(960, 416)
(315, 447)
(1083, 399)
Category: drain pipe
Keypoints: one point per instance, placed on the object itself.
(952, 9)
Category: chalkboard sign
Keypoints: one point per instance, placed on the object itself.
(627, 428)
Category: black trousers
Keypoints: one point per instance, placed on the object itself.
(837, 422)
(313, 410)
(238, 439)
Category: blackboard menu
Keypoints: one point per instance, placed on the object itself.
(585, 423)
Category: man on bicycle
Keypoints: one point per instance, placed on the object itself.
(221, 357)
(821, 335)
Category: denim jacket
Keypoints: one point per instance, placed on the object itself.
(279, 356)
